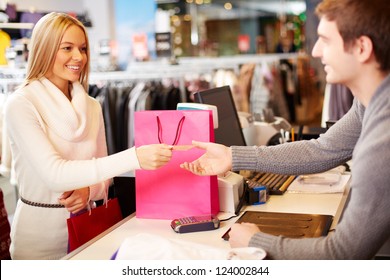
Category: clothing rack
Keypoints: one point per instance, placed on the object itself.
(120, 76)
(185, 68)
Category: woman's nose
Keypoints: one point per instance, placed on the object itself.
(76, 54)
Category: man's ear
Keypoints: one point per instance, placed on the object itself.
(364, 48)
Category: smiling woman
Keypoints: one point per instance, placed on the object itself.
(57, 138)
(44, 50)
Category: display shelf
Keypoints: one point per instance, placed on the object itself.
(16, 25)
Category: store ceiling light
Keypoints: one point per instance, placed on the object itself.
(228, 6)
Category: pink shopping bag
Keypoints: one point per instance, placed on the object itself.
(171, 192)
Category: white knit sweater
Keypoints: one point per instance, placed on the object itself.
(57, 146)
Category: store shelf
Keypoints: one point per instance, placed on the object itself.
(16, 25)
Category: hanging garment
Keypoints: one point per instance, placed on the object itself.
(340, 101)
(123, 93)
(288, 86)
(245, 84)
(278, 102)
(134, 95)
(260, 94)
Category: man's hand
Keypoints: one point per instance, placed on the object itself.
(241, 234)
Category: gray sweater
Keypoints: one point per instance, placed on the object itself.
(361, 135)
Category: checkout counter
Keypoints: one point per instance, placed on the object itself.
(105, 245)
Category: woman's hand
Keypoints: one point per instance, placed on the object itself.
(217, 159)
(153, 156)
(76, 200)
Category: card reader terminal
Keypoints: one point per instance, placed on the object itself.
(195, 223)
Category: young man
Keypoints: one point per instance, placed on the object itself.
(353, 44)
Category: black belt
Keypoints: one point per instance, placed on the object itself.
(44, 205)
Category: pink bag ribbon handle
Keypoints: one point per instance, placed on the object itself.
(178, 130)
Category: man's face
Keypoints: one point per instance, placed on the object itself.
(340, 65)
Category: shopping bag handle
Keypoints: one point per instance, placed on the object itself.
(178, 130)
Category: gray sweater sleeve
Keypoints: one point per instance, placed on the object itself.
(331, 149)
(365, 224)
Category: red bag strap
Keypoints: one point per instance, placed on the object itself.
(178, 130)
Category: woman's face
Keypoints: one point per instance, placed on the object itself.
(70, 60)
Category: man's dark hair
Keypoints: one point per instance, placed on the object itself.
(356, 18)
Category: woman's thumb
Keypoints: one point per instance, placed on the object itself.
(201, 145)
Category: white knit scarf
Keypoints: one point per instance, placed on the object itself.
(68, 119)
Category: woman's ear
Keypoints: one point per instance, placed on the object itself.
(364, 48)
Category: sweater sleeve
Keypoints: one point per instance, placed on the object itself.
(304, 157)
(27, 135)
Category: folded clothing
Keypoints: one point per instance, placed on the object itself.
(146, 246)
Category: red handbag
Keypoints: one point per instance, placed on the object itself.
(85, 226)
(5, 227)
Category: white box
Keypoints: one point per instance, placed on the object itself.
(230, 189)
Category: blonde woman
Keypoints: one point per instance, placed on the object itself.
(57, 138)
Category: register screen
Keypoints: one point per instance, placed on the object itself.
(229, 131)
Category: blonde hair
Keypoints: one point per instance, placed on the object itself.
(45, 41)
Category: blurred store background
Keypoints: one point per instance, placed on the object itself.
(261, 48)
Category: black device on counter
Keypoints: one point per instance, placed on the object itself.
(229, 132)
(195, 223)
(293, 225)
